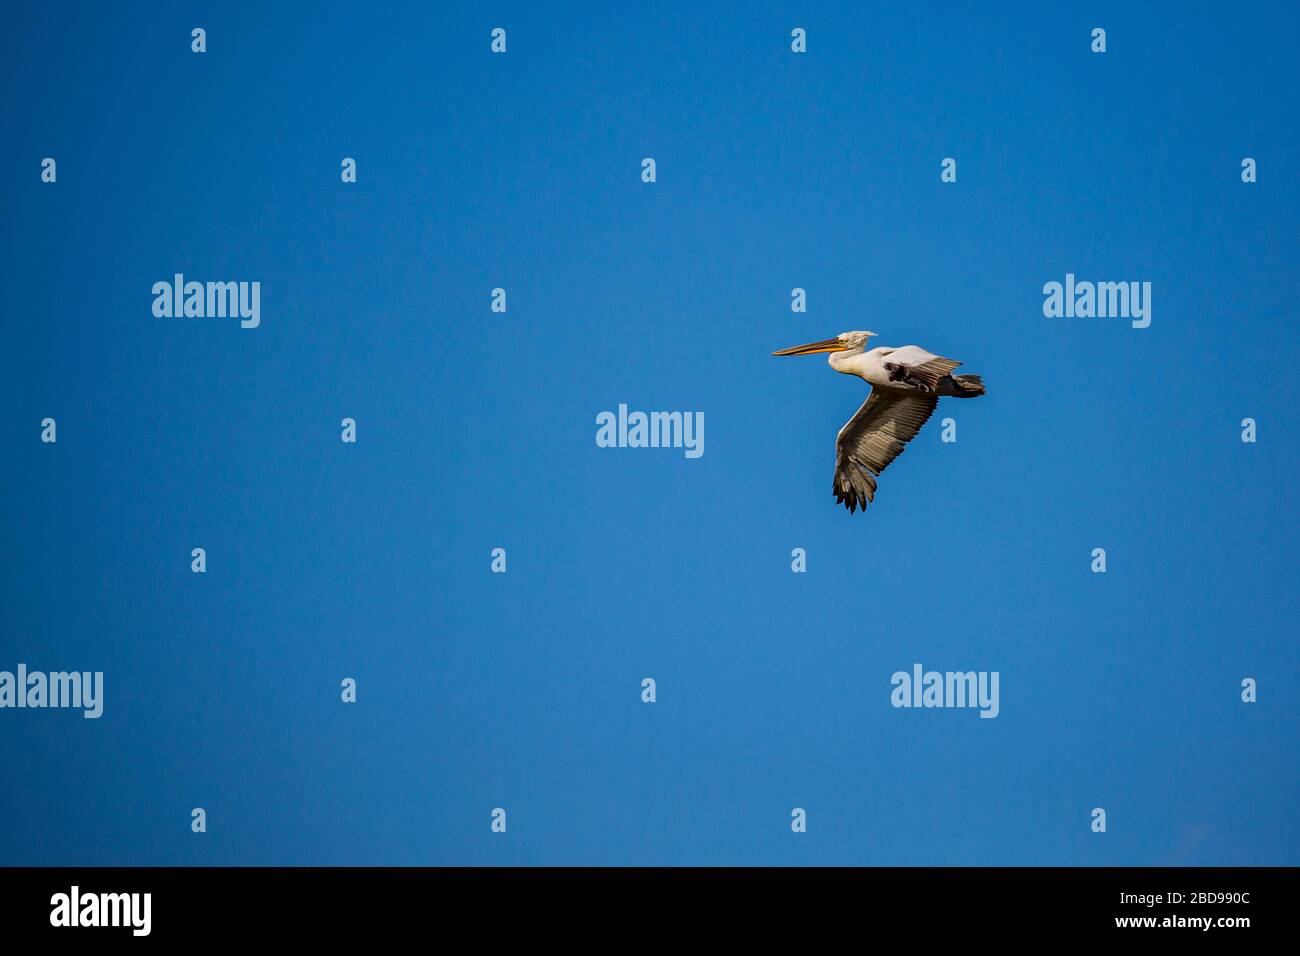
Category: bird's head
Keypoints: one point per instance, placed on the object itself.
(844, 342)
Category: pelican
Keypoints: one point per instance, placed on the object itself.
(906, 384)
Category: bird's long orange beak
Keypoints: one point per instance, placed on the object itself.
(812, 348)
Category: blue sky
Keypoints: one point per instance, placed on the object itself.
(477, 430)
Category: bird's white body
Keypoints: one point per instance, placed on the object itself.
(870, 365)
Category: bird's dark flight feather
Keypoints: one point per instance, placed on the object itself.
(876, 435)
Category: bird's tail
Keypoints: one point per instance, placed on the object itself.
(962, 386)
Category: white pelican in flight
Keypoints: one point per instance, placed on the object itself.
(906, 384)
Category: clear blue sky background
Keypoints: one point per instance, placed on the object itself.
(477, 430)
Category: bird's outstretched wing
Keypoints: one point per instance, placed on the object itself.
(876, 435)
